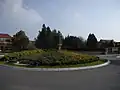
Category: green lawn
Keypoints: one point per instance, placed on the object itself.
(1, 62)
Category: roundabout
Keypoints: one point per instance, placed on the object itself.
(104, 78)
(18, 66)
(52, 60)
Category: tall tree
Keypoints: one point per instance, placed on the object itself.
(41, 38)
(20, 41)
(47, 39)
(73, 42)
(92, 41)
(54, 33)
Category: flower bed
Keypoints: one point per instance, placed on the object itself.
(50, 58)
(17, 55)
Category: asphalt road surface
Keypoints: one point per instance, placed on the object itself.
(105, 78)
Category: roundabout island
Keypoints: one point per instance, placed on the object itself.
(51, 60)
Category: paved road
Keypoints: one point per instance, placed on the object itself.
(105, 78)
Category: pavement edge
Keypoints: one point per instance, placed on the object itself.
(59, 69)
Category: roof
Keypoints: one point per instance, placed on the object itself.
(4, 35)
(103, 41)
(117, 44)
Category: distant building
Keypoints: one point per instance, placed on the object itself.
(117, 44)
(109, 45)
(106, 43)
(5, 42)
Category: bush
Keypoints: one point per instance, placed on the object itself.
(53, 58)
(18, 55)
(49, 58)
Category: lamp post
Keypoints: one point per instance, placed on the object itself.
(59, 43)
(106, 51)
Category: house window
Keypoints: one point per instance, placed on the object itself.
(7, 40)
(1, 39)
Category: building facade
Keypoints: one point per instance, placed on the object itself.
(110, 46)
(5, 42)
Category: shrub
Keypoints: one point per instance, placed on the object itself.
(53, 58)
(49, 57)
(18, 55)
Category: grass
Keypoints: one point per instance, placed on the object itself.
(2, 62)
(62, 66)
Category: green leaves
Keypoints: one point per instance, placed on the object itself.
(73, 42)
(20, 41)
(92, 41)
(48, 39)
(53, 58)
(19, 55)
(49, 57)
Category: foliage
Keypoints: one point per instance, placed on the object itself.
(20, 41)
(73, 42)
(92, 41)
(1, 62)
(18, 55)
(48, 39)
(49, 57)
(52, 39)
(53, 58)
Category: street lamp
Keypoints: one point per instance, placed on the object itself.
(60, 42)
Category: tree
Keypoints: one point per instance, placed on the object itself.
(48, 39)
(92, 41)
(41, 38)
(20, 41)
(54, 34)
(73, 42)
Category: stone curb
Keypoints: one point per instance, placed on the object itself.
(2, 55)
(59, 69)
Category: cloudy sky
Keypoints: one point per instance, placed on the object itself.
(74, 17)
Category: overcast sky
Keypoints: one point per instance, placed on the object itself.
(74, 17)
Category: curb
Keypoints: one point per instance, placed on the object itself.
(2, 55)
(59, 69)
